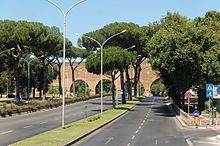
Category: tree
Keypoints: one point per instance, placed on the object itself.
(22, 36)
(72, 55)
(173, 53)
(115, 60)
(133, 36)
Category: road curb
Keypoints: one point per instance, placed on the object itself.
(183, 124)
(218, 137)
(97, 128)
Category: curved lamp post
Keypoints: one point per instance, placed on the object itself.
(101, 47)
(6, 50)
(64, 13)
(28, 63)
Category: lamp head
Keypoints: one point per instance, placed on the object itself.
(77, 34)
(123, 31)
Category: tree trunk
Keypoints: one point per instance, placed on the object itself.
(122, 87)
(60, 80)
(128, 84)
(138, 82)
(113, 90)
(136, 72)
(73, 82)
(34, 91)
(201, 99)
(17, 80)
(45, 82)
(40, 94)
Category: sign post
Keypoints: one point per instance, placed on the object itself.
(209, 95)
(196, 117)
(188, 95)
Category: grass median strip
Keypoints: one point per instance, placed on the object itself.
(62, 136)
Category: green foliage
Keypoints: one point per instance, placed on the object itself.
(53, 89)
(106, 86)
(158, 88)
(113, 58)
(82, 88)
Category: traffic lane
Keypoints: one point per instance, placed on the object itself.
(40, 116)
(35, 123)
(120, 131)
(160, 128)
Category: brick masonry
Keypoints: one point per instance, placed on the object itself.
(148, 76)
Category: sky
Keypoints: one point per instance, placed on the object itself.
(94, 14)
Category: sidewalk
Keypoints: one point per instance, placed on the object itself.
(188, 121)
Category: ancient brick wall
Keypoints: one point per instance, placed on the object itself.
(148, 76)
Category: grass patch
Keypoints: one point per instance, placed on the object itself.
(62, 136)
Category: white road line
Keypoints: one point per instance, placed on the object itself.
(137, 131)
(28, 126)
(141, 124)
(6, 132)
(109, 140)
(189, 142)
(139, 127)
(44, 122)
(128, 144)
(143, 120)
(156, 142)
(133, 137)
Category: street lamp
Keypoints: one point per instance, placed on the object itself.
(64, 47)
(6, 50)
(101, 47)
(28, 63)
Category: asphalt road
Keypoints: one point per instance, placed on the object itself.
(19, 127)
(150, 123)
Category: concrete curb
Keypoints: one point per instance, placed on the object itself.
(97, 128)
(218, 137)
(183, 124)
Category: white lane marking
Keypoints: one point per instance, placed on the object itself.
(28, 126)
(44, 122)
(6, 132)
(206, 142)
(137, 131)
(111, 138)
(156, 142)
(128, 144)
(133, 137)
(143, 121)
(141, 124)
(189, 142)
(139, 127)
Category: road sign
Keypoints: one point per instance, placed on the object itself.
(188, 94)
(218, 90)
(196, 113)
(209, 90)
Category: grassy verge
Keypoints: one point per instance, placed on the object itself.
(62, 136)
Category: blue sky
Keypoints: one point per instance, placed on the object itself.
(94, 14)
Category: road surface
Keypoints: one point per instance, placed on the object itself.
(19, 127)
(150, 123)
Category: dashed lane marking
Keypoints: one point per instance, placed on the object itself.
(111, 138)
(27, 126)
(6, 132)
(43, 122)
(133, 137)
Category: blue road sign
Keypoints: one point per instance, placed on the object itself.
(196, 113)
(209, 90)
(218, 90)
